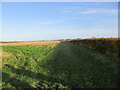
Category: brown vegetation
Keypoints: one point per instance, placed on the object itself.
(5, 54)
(28, 43)
(103, 45)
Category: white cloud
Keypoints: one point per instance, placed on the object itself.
(49, 22)
(92, 11)
(60, 33)
(70, 9)
(82, 33)
(78, 10)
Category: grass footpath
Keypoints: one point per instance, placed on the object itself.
(63, 66)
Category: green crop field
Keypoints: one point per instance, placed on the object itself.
(65, 65)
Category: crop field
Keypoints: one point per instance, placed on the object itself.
(57, 65)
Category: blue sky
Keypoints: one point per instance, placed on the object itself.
(50, 20)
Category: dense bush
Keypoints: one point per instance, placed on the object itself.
(103, 45)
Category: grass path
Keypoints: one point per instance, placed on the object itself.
(81, 67)
(65, 65)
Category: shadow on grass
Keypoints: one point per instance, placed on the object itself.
(31, 74)
(79, 67)
(14, 82)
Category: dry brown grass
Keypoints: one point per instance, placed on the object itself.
(95, 39)
(19, 55)
(29, 43)
(52, 45)
(0, 52)
(5, 54)
(0, 58)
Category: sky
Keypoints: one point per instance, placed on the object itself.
(26, 21)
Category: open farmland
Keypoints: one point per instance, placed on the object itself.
(57, 65)
(28, 43)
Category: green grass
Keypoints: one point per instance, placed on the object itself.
(63, 66)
